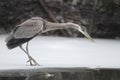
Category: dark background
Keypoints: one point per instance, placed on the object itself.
(100, 17)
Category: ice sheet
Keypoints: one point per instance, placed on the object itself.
(63, 52)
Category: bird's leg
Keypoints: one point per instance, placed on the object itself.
(26, 53)
(30, 58)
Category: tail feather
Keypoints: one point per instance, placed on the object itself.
(12, 43)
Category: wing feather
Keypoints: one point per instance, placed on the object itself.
(28, 29)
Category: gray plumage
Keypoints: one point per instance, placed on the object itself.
(32, 27)
(27, 29)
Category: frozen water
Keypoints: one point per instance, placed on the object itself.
(63, 52)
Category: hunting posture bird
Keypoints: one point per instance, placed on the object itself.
(29, 29)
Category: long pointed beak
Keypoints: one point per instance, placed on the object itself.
(87, 36)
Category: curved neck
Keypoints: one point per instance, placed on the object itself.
(53, 26)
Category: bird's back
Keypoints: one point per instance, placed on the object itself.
(13, 42)
(24, 32)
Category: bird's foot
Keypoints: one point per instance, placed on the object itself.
(33, 62)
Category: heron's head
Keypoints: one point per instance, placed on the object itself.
(82, 29)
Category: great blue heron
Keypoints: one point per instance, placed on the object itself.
(31, 28)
